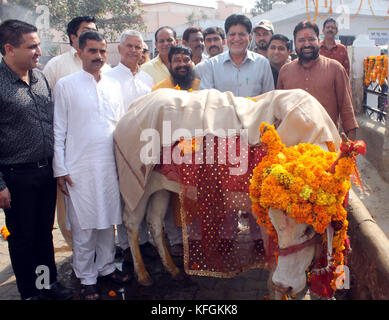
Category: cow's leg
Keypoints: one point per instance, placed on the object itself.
(132, 221)
(159, 202)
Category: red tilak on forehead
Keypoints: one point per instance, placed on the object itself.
(306, 35)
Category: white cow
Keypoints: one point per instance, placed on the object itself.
(299, 118)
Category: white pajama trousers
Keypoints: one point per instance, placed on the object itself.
(93, 249)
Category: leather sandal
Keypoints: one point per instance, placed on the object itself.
(89, 292)
(117, 276)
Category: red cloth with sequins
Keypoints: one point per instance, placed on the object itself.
(220, 235)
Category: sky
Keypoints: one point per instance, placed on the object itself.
(245, 3)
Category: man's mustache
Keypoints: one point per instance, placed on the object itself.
(98, 60)
(213, 47)
(308, 47)
(186, 68)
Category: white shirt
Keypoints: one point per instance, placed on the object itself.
(64, 65)
(133, 86)
(85, 116)
(252, 78)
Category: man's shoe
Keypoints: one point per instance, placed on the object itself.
(37, 297)
(117, 277)
(57, 292)
(177, 250)
(118, 253)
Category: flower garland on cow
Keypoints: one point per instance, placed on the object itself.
(311, 186)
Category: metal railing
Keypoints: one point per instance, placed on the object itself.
(379, 112)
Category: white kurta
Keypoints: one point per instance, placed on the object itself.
(133, 86)
(85, 116)
(64, 65)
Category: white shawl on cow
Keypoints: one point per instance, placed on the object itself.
(300, 116)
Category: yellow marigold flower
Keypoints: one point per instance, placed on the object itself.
(306, 192)
(301, 181)
(5, 233)
(281, 157)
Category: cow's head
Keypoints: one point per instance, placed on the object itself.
(296, 243)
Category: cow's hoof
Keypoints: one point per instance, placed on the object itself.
(178, 276)
(146, 282)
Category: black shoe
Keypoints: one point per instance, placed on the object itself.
(118, 253)
(57, 292)
(127, 257)
(117, 277)
(38, 297)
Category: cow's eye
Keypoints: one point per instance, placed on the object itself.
(308, 231)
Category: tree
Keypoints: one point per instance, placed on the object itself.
(191, 18)
(262, 6)
(112, 16)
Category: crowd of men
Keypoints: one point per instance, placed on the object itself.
(56, 127)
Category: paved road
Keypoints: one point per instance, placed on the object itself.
(250, 285)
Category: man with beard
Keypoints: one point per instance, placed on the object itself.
(262, 33)
(193, 39)
(181, 76)
(181, 71)
(322, 77)
(330, 49)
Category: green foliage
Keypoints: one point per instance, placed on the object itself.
(262, 6)
(112, 16)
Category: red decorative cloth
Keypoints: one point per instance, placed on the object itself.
(220, 235)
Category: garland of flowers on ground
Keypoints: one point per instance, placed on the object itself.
(376, 69)
(4, 232)
(306, 182)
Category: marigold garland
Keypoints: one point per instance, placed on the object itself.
(303, 181)
(4, 232)
(376, 69)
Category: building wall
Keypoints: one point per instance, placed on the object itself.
(286, 17)
(173, 14)
(226, 9)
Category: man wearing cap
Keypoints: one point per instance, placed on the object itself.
(262, 33)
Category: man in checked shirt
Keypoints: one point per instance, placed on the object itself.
(27, 186)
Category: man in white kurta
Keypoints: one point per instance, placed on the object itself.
(62, 66)
(69, 62)
(88, 106)
(134, 84)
